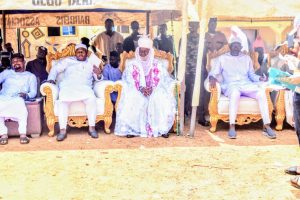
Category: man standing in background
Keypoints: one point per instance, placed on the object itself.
(107, 41)
(163, 41)
(131, 42)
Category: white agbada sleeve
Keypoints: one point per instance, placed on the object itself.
(59, 67)
(166, 80)
(216, 68)
(3, 76)
(32, 87)
(128, 78)
(96, 78)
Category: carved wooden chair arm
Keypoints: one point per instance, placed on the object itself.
(102, 89)
(50, 91)
(118, 88)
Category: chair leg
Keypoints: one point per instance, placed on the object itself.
(107, 123)
(279, 122)
(50, 124)
(175, 127)
(280, 110)
(213, 122)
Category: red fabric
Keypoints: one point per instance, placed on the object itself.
(258, 43)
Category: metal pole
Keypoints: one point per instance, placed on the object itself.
(3, 26)
(147, 22)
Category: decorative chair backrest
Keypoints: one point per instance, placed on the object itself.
(165, 58)
(66, 52)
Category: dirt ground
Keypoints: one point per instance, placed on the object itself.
(208, 166)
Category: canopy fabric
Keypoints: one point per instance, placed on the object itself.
(253, 8)
(90, 4)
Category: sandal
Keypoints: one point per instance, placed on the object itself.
(295, 170)
(3, 139)
(24, 140)
(296, 182)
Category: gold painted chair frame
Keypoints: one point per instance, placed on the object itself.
(73, 121)
(241, 119)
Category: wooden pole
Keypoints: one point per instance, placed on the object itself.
(148, 22)
(182, 62)
(19, 40)
(3, 26)
(197, 88)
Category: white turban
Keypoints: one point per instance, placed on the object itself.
(235, 39)
(296, 25)
(80, 46)
(145, 42)
(297, 22)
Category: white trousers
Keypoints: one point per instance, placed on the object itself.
(234, 95)
(14, 109)
(63, 112)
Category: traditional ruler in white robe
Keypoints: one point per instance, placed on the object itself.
(11, 105)
(145, 116)
(239, 79)
(76, 85)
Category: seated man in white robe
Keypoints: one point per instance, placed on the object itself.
(76, 85)
(147, 105)
(17, 85)
(239, 80)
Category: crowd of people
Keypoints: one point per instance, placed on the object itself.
(147, 106)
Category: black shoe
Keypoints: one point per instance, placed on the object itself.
(93, 134)
(61, 137)
(130, 136)
(203, 123)
(165, 135)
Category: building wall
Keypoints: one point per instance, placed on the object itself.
(272, 32)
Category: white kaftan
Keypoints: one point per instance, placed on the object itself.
(239, 79)
(145, 116)
(11, 105)
(78, 78)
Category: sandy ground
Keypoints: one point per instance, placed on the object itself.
(208, 166)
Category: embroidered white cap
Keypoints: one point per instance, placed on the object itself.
(80, 46)
(235, 39)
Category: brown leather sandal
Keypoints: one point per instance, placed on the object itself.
(24, 140)
(3, 139)
(294, 170)
(296, 182)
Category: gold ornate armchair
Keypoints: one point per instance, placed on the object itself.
(77, 115)
(167, 61)
(248, 110)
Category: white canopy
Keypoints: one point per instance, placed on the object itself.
(253, 8)
(90, 4)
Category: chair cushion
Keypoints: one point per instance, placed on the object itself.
(34, 120)
(78, 108)
(247, 105)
